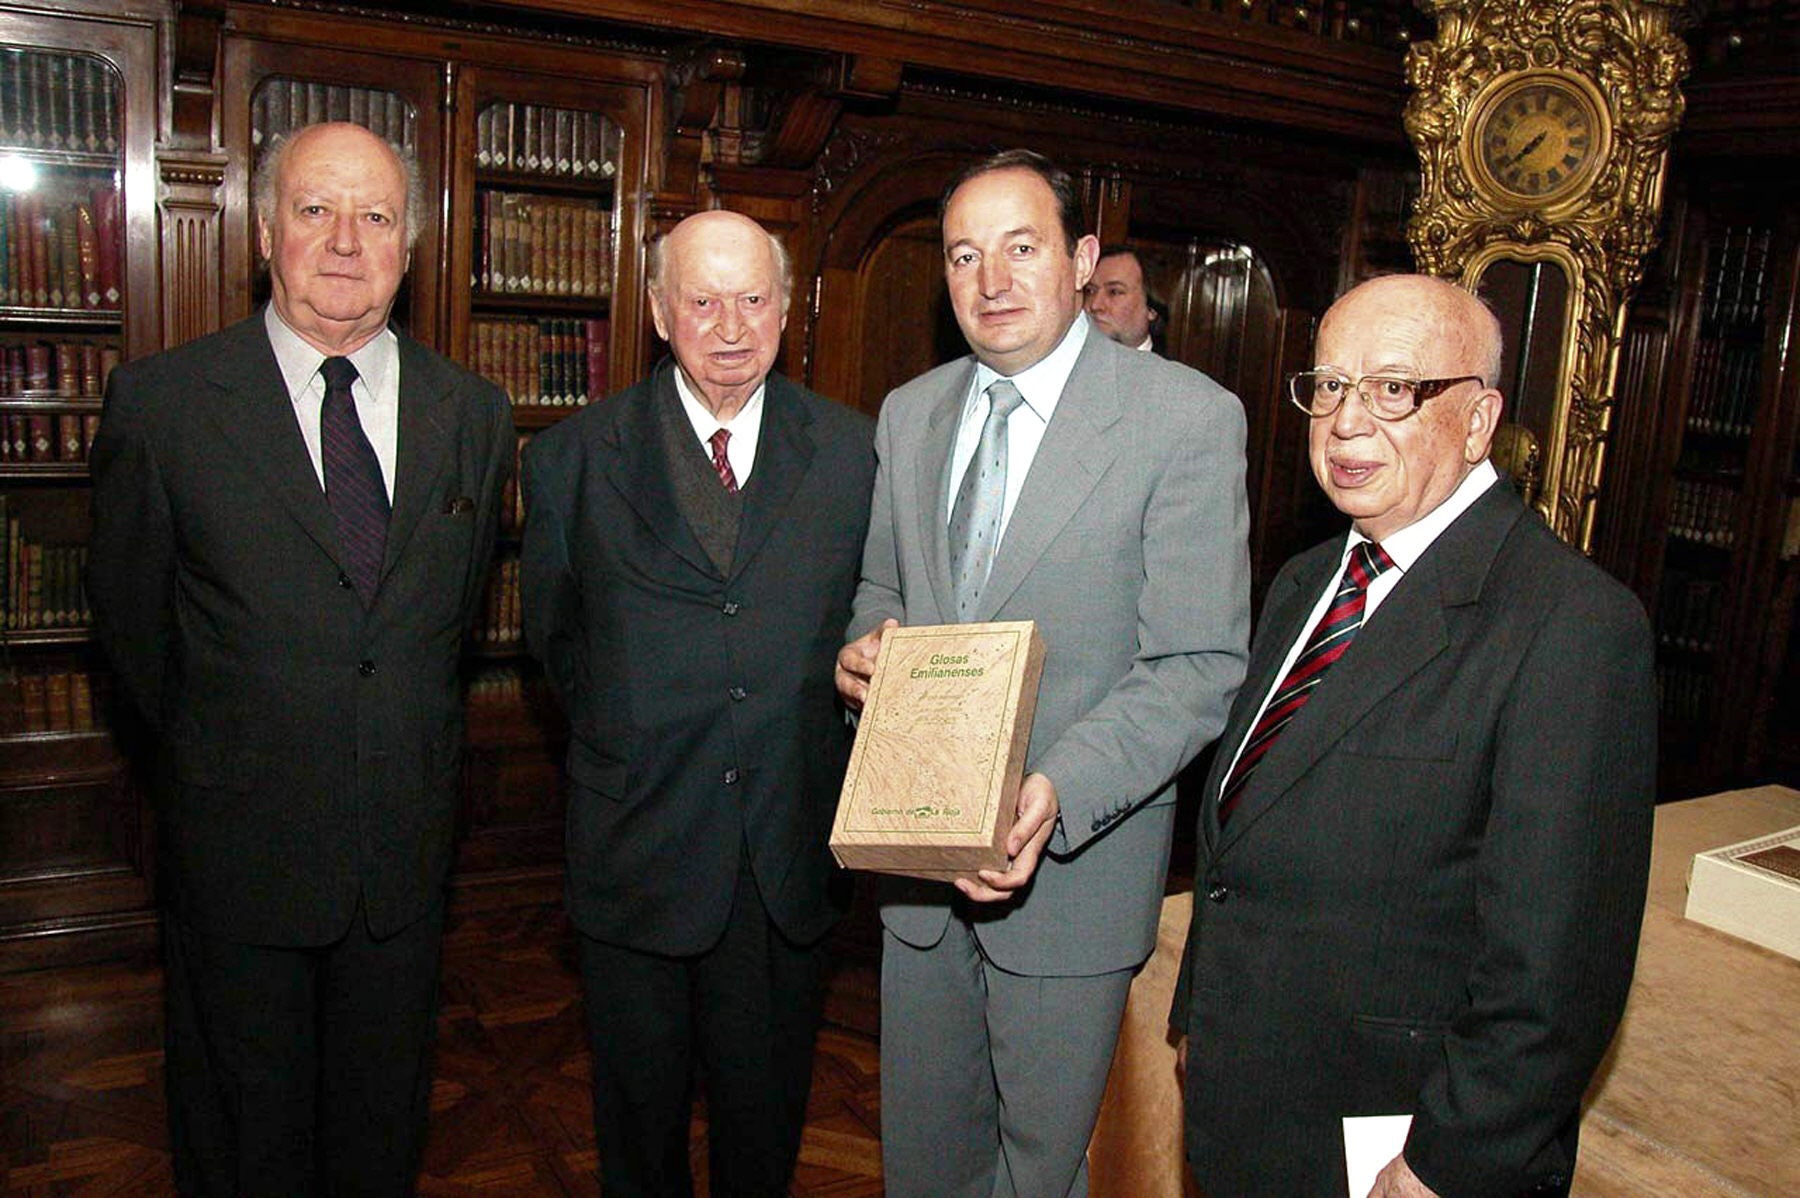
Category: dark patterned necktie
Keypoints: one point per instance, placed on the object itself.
(353, 485)
(980, 501)
(722, 463)
(1330, 638)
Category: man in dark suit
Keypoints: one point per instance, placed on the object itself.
(292, 523)
(1115, 518)
(1425, 841)
(691, 549)
(1118, 301)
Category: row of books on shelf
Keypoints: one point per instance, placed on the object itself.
(558, 143)
(1682, 694)
(63, 369)
(1723, 398)
(1686, 610)
(283, 105)
(499, 625)
(41, 590)
(51, 699)
(1734, 290)
(60, 252)
(536, 245)
(512, 495)
(31, 437)
(559, 362)
(1703, 512)
(51, 101)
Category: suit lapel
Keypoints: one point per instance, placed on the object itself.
(1409, 630)
(247, 401)
(1284, 616)
(1070, 459)
(933, 485)
(641, 476)
(784, 453)
(423, 445)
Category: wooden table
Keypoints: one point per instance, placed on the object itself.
(1700, 1096)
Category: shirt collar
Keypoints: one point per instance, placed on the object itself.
(1410, 543)
(702, 418)
(300, 362)
(1041, 384)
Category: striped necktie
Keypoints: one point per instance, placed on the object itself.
(980, 501)
(353, 485)
(1330, 638)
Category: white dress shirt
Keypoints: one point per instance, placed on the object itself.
(1041, 385)
(745, 426)
(376, 392)
(1404, 547)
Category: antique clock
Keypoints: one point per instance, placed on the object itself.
(1542, 128)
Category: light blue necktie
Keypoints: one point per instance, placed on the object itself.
(980, 501)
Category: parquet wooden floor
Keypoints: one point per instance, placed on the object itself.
(81, 1107)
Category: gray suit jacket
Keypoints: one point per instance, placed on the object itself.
(1127, 546)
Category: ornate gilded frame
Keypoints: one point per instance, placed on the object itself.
(1629, 54)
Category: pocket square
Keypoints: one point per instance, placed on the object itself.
(459, 505)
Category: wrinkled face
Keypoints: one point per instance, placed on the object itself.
(720, 307)
(1116, 302)
(1015, 286)
(336, 240)
(1383, 474)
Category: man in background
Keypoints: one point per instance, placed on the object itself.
(1052, 476)
(1425, 839)
(1119, 301)
(690, 553)
(292, 525)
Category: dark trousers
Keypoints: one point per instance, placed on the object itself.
(747, 1010)
(300, 1071)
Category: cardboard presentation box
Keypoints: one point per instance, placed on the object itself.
(933, 782)
(1751, 890)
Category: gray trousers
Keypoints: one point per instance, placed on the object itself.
(990, 1081)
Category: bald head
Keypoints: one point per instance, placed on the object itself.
(719, 297)
(1387, 474)
(1452, 310)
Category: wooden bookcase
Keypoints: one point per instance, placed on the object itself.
(78, 111)
(1704, 514)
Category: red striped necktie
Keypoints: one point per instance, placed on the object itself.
(1328, 642)
(721, 463)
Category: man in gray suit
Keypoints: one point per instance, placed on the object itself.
(1060, 477)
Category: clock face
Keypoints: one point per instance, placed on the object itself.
(1540, 140)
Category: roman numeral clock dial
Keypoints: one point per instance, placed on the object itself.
(1538, 139)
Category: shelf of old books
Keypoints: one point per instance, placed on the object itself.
(62, 319)
(542, 266)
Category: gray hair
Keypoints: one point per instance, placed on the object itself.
(265, 183)
(657, 265)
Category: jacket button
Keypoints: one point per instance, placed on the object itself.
(366, 668)
(343, 580)
(737, 694)
(1217, 893)
(731, 776)
(730, 608)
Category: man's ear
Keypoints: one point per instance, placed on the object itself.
(1087, 256)
(265, 245)
(1484, 418)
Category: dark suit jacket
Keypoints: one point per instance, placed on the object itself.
(1428, 899)
(312, 747)
(703, 717)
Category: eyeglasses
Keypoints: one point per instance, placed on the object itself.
(1388, 397)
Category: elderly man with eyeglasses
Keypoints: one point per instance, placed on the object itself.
(1425, 839)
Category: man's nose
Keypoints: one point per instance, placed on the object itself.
(731, 322)
(345, 236)
(995, 277)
